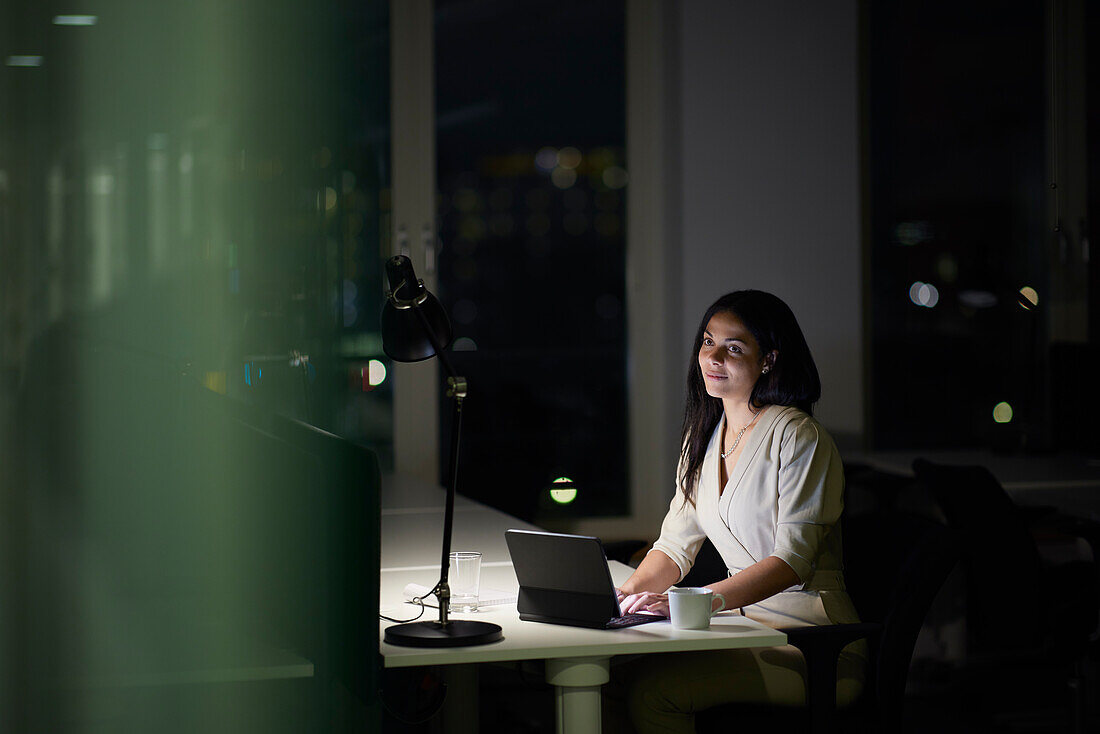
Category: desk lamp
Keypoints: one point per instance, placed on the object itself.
(414, 328)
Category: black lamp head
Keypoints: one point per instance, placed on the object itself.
(411, 309)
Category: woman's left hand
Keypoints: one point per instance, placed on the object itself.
(646, 601)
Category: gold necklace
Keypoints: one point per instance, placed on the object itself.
(741, 433)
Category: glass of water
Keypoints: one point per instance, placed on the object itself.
(465, 580)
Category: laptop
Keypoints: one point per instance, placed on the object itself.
(564, 579)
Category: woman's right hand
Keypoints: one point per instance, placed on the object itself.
(645, 601)
(655, 572)
(624, 592)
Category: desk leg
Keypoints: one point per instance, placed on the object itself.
(577, 683)
(460, 710)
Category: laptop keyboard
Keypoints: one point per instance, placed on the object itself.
(630, 620)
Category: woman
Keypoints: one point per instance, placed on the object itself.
(763, 481)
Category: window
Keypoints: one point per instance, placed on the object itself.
(530, 139)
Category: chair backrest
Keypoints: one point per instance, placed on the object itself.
(707, 568)
(999, 550)
(895, 565)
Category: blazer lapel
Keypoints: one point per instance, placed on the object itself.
(764, 426)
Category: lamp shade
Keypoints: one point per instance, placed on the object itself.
(409, 308)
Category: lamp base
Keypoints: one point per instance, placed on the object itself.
(457, 633)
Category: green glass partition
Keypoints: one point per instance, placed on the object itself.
(192, 201)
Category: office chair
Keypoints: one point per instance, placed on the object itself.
(1004, 568)
(707, 568)
(870, 489)
(895, 564)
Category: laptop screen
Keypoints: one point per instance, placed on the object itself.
(573, 565)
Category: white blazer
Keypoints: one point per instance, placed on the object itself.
(783, 498)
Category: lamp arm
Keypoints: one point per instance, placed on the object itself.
(434, 340)
(456, 391)
(444, 592)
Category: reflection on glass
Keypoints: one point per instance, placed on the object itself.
(75, 20)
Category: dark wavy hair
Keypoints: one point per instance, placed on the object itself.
(792, 379)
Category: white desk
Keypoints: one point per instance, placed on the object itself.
(577, 659)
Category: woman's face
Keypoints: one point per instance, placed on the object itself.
(729, 358)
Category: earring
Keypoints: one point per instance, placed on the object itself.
(765, 370)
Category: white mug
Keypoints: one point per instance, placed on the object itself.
(690, 608)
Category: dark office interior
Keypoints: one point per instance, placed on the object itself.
(197, 415)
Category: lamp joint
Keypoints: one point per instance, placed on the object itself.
(443, 596)
(407, 303)
(456, 387)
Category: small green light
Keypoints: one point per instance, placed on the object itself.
(1002, 413)
(562, 491)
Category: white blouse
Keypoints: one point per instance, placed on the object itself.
(783, 498)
